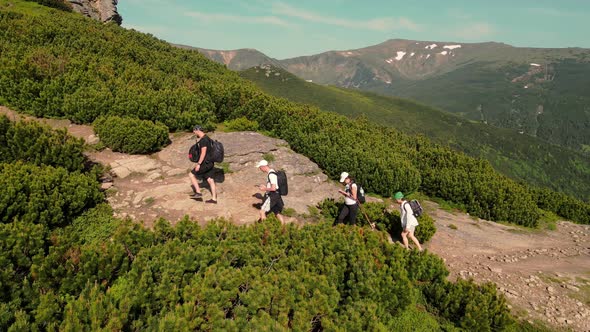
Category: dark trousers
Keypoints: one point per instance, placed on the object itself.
(348, 212)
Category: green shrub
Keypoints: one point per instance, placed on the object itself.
(563, 205)
(241, 124)
(37, 144)
(45, 195)
(58, 4)
(130, 135)
(470, 306)
(268, 157)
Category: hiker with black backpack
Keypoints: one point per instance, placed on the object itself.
(408, 219)
(350, 208)
(203, 170)
(272, 201)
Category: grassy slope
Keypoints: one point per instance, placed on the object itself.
(519, 156)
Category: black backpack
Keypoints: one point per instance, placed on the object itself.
(360, 193)
(416, 208)
(217, 152)
(193, 153)
(282, 182)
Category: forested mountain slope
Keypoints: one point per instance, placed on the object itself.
(521, 157)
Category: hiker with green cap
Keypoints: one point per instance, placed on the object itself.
(409, 221)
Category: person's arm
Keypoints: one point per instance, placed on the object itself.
(202, 155)
(273, 184)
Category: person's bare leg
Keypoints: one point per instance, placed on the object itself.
(262, 215)
(405, 239)
(195, 182)
(280, 217)
(415, 240)
(211, 182)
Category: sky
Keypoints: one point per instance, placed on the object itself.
(284, 29)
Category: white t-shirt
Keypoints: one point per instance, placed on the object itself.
(272, 179)
(407, 215)
(348, 200)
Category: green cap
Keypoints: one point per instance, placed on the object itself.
(398, 195)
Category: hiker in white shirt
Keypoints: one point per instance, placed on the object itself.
(409, 222)
(351, 206)
(273, 202)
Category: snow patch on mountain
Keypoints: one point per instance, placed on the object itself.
(412, 54)
(444, 52)
(400, 55)
(535, 65)
(452, 47)
(431, 46)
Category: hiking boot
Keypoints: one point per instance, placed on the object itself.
(197, 195)
(212, 201)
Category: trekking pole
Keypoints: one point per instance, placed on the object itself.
(365, 214)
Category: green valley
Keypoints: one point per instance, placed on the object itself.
(522, 157)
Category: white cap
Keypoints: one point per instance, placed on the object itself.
(262, 163)
(343, 176)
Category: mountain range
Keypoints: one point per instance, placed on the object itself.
(540, 92)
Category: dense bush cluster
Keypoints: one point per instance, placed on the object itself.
(59, 4)
(38, 144)
(64, 65)
(221, 277)
(241, 124)
(45, 195)
(131, 135)
(563, 205)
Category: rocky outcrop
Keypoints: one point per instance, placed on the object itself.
(102, 10)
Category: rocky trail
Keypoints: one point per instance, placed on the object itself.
(545, 275)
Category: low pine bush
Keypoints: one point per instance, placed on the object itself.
(131, 135)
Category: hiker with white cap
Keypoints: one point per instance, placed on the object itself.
(409, 221)
(272, 202)
(351, 206)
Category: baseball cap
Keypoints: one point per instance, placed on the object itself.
(262, 163)
(197, 127)
(398, 195)
(343, 176)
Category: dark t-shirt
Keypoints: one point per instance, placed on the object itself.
(205, 141)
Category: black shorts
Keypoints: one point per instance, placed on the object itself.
(206, 171)
(276, 203)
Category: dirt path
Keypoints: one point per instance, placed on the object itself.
(544, 274)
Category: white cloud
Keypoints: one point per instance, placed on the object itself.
(475, 31)
(221, 17)
(380, 24)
